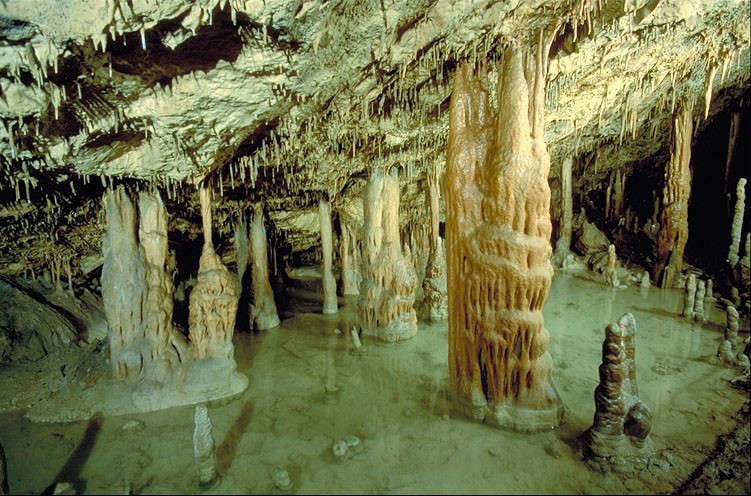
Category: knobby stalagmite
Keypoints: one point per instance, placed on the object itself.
(434, 284)
(387, 290)
(622, 421)
(262, 311)
(673, 234)
(330, 304)
(138, 290)
(498, 246)
(213, 300)
(737, 225)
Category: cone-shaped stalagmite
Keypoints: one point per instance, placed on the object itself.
(673, 234)
(137, 289)
(387, 290)
(213, 300)
(330, 304)
(498, 247)
(263, 314)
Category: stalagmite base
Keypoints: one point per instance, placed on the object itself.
(498, 250)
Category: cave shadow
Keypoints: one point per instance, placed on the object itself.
(227, 451)
(71, 471)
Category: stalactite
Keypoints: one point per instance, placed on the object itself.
(673, 232)
(498, 247)
(330, 304)
(263, 313)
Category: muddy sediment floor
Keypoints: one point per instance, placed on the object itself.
(310, 388)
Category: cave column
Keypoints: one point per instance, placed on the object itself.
(673, 233)
(350, 276)
(563, 245)
(434, 284)
(262, 311)
(330, 304)
(213, 300)
(388, 282)
(498, 245)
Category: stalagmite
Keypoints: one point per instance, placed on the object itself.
(563, 245)
(611, 276)
(498, 247)
(350, 276)
(434, 283)
(204, 451)
(701, 289)
(689, 296)
(330, 304)
(622, 421)
(673, 232)
(263, 313)
(645, 281)
(737, 226)
(137, 290)
(213, 300)
(387, 290)
(731, 325)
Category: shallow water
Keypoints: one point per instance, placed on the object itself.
(395, 398)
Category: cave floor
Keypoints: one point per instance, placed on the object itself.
(395, 398)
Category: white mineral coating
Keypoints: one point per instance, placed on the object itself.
(340, 450)
(203, 446)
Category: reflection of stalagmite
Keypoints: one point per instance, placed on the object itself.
(387, 290)
(434, 284)
(673, 232)
(622, 421)
(498, 247)
(263, 314)
(137, 289)
(213, 300)
(330, 304)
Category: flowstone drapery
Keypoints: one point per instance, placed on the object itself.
(387, 290)
(498, 246)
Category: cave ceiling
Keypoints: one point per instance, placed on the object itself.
(283, 101)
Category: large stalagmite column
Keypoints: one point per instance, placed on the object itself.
(563, 245)
(263, 314)
(213, 300)
(387, 290)
(330, 304)
(137, 290)
(673, 234)
(498, 247)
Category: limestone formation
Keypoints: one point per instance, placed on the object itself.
(498, 246)
(213, 300)
(203, 446)
(262, 311)
(689, 296)
(563, 245)
(645, 281)
(434, 283)
(349, 255)
(387, 290)
(701, 290)
(737, 226)
(622, 421)
(330, 304)
(137, 290)
(673, 233)
(731, 325)
(611, 276)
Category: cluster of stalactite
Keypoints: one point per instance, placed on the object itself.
(622, 421)
(387, 291)
(673, 234)
(498, 245)
(137, 289)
